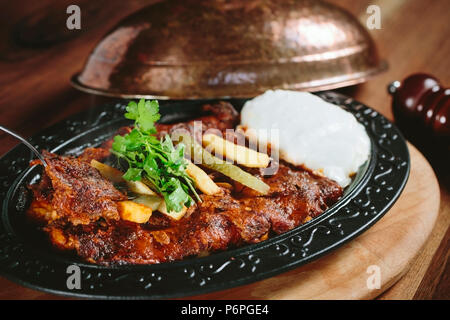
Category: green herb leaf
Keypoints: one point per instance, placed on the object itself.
(133, 174)
(155, 162)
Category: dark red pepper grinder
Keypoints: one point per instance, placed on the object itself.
(421, 107)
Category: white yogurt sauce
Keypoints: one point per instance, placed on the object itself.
(312, 132)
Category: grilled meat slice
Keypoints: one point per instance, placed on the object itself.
(220, 116)
(90, 154)
(294, 195)
(79, 193)
(217, 223)
(79, 208)
(125, 242)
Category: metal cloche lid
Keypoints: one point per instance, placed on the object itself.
(216, 49)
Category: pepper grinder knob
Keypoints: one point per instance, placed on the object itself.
(421, 108)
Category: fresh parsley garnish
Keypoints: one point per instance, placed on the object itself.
(155, 162)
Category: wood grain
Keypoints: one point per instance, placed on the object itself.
(413, 39)
(431, 286)
(38, 56)
(423, 274)
(391, 244)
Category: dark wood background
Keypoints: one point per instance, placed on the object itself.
(38, 55)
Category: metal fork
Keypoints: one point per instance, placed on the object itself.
(29, 145)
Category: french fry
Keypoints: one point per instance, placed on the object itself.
(140, 187)
(172, 214)
(140, 209)
(134, 212)
(231, 171)
(202, 180)
(240, 154)
(149, 201)
(108, 172)
(239, 175)
(115, 176)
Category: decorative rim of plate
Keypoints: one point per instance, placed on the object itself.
(366, 201)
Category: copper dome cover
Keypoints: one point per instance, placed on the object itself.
(212, 49)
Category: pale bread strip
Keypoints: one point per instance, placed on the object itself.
(202, 180)
(239, 154)
(115, 176)
(172, 214)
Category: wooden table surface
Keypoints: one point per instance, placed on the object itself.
(38, 55)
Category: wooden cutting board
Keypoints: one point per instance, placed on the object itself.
(391, 244)
(385, 250)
